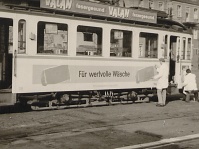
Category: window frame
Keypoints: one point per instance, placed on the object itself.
(22, 41)
(120, 52)
(59, 49)
(179, 11)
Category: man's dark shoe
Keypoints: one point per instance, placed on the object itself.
(159, 105)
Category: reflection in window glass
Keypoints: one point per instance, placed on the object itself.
(120, 43)
(89, 41)
(22, 36)
(148, 43)
(189, 49)
(183, 48)
(164, 46)
(52, 38)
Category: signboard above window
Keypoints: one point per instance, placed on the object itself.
(98, 9)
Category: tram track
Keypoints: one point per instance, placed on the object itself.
(50, 131)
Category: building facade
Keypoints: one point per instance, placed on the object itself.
(183, 11)
(187, 12)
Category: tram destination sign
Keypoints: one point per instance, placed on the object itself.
(98, 9)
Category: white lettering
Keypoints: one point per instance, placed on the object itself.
(118, 12)
(69, 4)
(126, 15)
(48, 2)
(58, 3)
(53, 4)
(63, 4)
(110, 11)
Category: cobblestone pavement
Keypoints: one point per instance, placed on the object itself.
(99, 127)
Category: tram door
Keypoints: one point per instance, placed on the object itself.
(174, 69)
(6, 37)
(172, 55)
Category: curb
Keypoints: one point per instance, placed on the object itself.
(162, 142)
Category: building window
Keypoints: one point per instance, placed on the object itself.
(141, 3)
(151, 4)
(161, 6)
(121, 41)
(89, 41)
(187, 14)
(22, 36)
(195, 16)
(195, 34)
(148, 45)
(179, 11)
(52, 38)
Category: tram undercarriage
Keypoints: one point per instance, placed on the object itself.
(61, 100)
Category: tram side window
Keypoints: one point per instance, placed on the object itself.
(189, 49)
(183, 48)
(22, 36)
(148, 45)
(89, 41)
(120, 43)
(52, 38)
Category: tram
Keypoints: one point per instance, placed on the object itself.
(73, 53)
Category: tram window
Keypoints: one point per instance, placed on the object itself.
(120, 43)
(183, 48)
(22, 36)
(52, 38)
(148, 45)
(89, 41)
(189, 49)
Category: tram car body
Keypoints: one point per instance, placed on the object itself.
(84, 49)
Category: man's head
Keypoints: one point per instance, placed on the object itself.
(188, 71)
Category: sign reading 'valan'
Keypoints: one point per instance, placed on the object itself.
(97, 9)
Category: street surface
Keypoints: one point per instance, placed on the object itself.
(104, 127)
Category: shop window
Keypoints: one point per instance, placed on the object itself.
(121, 41)
(89, 41)
(52, 38)
(22, 36)
(148, 44)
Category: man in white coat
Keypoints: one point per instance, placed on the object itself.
(162, 82)
(190, 85)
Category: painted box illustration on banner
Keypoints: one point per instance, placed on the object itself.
(55, 75)
(145, 74)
